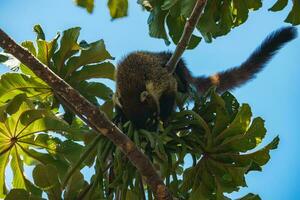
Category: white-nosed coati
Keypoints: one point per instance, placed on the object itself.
(145, 89)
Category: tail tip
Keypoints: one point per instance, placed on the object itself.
(290, 32)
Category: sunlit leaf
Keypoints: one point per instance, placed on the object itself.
(117, 8)
(102, 70)
(87, 4)
(68, 47)
(12, 84)
(96, 52)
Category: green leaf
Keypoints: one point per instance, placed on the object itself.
(107, 108)
(187, 7)
(207, 24)
(75, 186)
(240, 11)
(254, 4)
(4, 158)
(20, 123)
(68, 47)
(175, 25)
(95, 89)
(131, 195)
(117, 8)
(95, 53)
(3, 58)
(46, 50)
(29, 46)
(45, 176)
(39, 32)
(250, 196)
(19, 180)
(168, 4)
(88, 4)
(17, 194)
(239, 125)
(262, 156)
(71, 151)
(102, 70)
(294, 15)
(156, 22)
(279, 5)
(12, 84)
(252, 138)
(84, 156)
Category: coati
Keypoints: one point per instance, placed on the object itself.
(145, 89)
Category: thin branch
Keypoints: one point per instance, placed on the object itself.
(96, 118)
(189, 27)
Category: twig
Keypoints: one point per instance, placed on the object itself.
(189, 27)
(96, 118)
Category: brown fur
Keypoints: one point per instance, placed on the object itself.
(145, 73)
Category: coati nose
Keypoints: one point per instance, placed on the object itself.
(144, 95)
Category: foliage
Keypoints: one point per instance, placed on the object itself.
(76, 63)
(117, 8)
(168, 17)
(33, 127)
(215, 132)
(219, 136)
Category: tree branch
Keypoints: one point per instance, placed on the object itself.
(189, 27)
(96, 118)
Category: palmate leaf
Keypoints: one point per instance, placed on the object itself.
(225, 146)
(21, 128)
(75, 62)
(219, 17)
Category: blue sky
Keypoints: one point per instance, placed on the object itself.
(273, 95)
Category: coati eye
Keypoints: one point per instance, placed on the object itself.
(144, 95)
